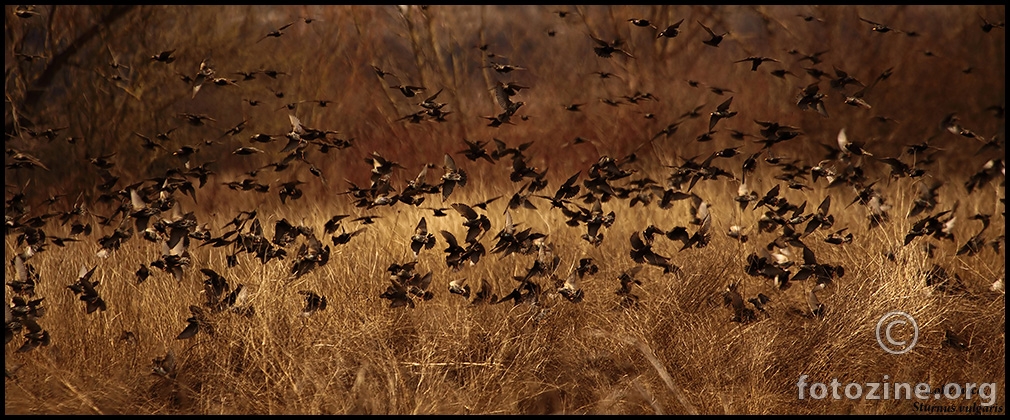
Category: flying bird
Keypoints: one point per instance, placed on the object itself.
(459, 287)
(670, 31)
(714, 39)
(811, 99)
(276, 33)
(642, 23)
(722, 111)
(756, 61)
(164, 56)
(421, 238)
(607, 49)
(570, 289)
(453, 176)
(313, 302)
(849, 147)
(878, 27)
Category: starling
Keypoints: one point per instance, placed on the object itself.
(714, 39)
(671, 31)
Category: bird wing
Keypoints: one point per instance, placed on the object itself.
(465, 211)
(706, 28)
(450, 164)
(296, 125)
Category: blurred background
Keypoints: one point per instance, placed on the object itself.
(88, 72)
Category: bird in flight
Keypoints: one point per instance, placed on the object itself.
(714, 39)
(607, 49)
(276, 33)
(756, 61)
(722, 111)
(670, 31)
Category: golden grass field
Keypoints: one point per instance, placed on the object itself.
(87, 73)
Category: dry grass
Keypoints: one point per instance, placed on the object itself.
(678, 352)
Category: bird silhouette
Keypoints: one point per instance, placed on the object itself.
(642, 23)
(459, 287)
(571, 289)
(164, 56)
(878, 27)
(756, 61)
(811, 99)
(421, 238)
(313, 302)
(714, 39)
(721, 112)
(276, 33)
(453, 177)
(671, 31)
(607, 49)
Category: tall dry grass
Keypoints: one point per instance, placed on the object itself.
(678, 352)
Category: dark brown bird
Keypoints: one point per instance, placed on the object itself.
(453, 176)
(607, 49)
(397, 295)
(25, 12)
(313, 302)
(642, 23)
(381, 73)
(722, 111)
(24, 160)
(35, 337)
(839, 237)
(504, 68)
(671, 31)
(421, 238)
(810, 18)
(25, 277)
(843, 79)
(409, 91)
(811, 99)
(276, 33)
(733, 299)
(143, 273)
(953, 340)
(570, 289)
(714, 39)
(483, 204)
(485, 295)
(246, 150)
(194, 323)
(756, 61)
(642, 253)
(986, 25)
(814, 58)
(474, 223)
(628, 280)
(475, 150)
(781, 73)
(345, 237)
(85, 288)
(458, 287)
(454, 253)
(849, 147)
(878, 27)
(164, 56)
(334, 223)
(502, 94)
